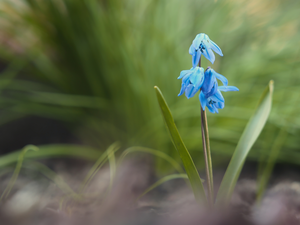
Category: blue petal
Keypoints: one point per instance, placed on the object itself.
(220, 105)
(215, 108)
(192, 50)
(196, 58)
(197, 86)
(228, 88)
(210, 108)
(203, 100)
(183, 73)
(211, 56)
(209, 82)
(212, 91)
(217, 97)
(183, 86)
(216, 48)
(195, 76)
(197, 40)
(220, 77)
(208, 55)
(189, 91)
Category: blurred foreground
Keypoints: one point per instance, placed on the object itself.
(36, 201)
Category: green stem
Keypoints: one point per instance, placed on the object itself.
(207, 157)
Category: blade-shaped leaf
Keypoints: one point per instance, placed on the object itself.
(53, 151)
(163, 180)
(248, 138)
(185, 156)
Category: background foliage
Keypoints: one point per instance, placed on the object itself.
(93, 64)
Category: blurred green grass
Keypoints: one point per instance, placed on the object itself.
(93, 65)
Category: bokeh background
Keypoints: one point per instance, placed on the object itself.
(83, 72)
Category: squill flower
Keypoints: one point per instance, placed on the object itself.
(210, 84)
(203, 45)
(215, 101)
(192, 81)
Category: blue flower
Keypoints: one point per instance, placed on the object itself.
(210, 84)
(203, 45)
(215, 101)
(192, 81)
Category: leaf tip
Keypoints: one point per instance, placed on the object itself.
(271, 85)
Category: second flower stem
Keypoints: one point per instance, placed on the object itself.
(207, 157)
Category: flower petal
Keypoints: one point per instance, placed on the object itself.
(217, 97)
(190, 91)
(220, 105)
(210, 108)
(220, 77)
(197, 86)
(215, 47)
(209, 55)
(197, 41)
(183, 86)
(196, 58)
(213, 90)
(209, 82)
(228, 88)
(203, 100)
(183, 73)
(194, 76)
(192, 50)
(215, 108)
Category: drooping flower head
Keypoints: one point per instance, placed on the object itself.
(192, 81)
(215, 101)
(203, 45)
(197, 79)
(210, 84)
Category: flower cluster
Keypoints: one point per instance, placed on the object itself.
(197, 79)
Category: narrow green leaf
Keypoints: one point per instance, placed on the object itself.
(157, 153)
(248, 138)
(185, 156)
(107, 155)
(163, 180)
(53, 151)
(54, 177)
(17, 170)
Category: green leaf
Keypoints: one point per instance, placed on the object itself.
(163, 180)
(157, 153)
(185, 156)
(107, 155)
(248, 138)
(17, 170)
(53, 151)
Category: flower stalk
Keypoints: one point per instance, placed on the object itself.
(207, 154)
(207, 157)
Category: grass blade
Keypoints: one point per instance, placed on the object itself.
(185, 156)
(53, 151)
(248, 138)
(54, 177)
(99, 163)
(157, 153)
(17, 170)
(163, 180)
